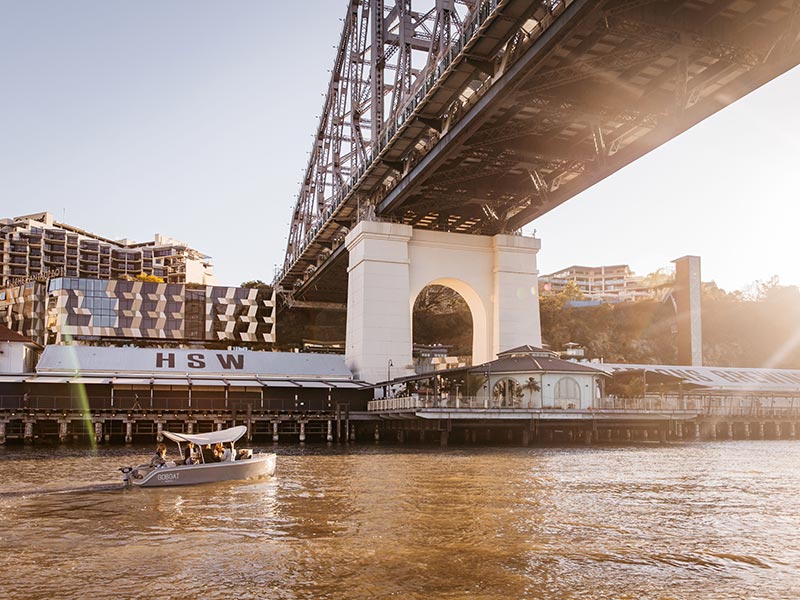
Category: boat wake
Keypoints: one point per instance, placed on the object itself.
(100, 487)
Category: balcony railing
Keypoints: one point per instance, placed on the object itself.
(729, 406)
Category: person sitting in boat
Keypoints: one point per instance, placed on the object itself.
(160, 458)
(208, 454)
(226, 455)
(189, 454)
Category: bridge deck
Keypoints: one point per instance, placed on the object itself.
(540, 100)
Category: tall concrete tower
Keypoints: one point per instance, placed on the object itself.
(687, 300)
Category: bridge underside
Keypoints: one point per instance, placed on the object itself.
(536, 111)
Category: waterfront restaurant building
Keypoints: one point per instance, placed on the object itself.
(136, 392)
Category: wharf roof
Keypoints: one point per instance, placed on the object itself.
(160, 362)
(716, 379)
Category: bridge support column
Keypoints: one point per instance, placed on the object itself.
(761, 430)
(526, 437)
(302, 431)
(275, 437)
(2, 433)
(160, 431)
(63, 424)
(390, 264)
(747, 431)
(28, 435)
(128, 432)
(377, 434)
(730, 430)
(443, 437)
(587, 437)
(98, 431)
(793, 430)
(697, 431)
(329, 435)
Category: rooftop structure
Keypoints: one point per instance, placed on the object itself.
(18, 354)
(607, 283)
(36, 246)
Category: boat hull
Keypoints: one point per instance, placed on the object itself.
(260, 465)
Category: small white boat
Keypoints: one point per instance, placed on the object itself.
(242, 464)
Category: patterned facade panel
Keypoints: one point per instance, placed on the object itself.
(95, 309)
(24, 308)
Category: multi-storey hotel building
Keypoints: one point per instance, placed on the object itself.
(36, 246)
(610, 283)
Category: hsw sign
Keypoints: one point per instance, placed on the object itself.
(199, 360)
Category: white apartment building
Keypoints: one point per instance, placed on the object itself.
(608, 283)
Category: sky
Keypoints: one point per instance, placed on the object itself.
(194, 119)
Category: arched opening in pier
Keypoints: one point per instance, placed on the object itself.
(442, 328)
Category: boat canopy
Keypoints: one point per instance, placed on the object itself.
(222, 436)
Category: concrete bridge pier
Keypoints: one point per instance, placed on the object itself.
(302, 432)
(275, 437)
(128, 432)
(63, 430)
(587, 437)
(391, 263)
(443, 438)
(2, 433)
(526, 437)
(329, 434)
(696, 433)
(761, 430)
(793, 430)
(28, 435)
(98, 431)
(377, 434)
(160, 431)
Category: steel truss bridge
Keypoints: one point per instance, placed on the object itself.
(478, 116)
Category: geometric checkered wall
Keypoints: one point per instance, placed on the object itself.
(103, 309)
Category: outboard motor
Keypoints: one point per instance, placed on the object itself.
(126, 475)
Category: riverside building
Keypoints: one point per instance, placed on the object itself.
(36, 246)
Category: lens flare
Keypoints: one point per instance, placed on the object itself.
(79, 390)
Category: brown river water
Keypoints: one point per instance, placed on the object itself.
(705, 520)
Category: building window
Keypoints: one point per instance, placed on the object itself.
(568, 393)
